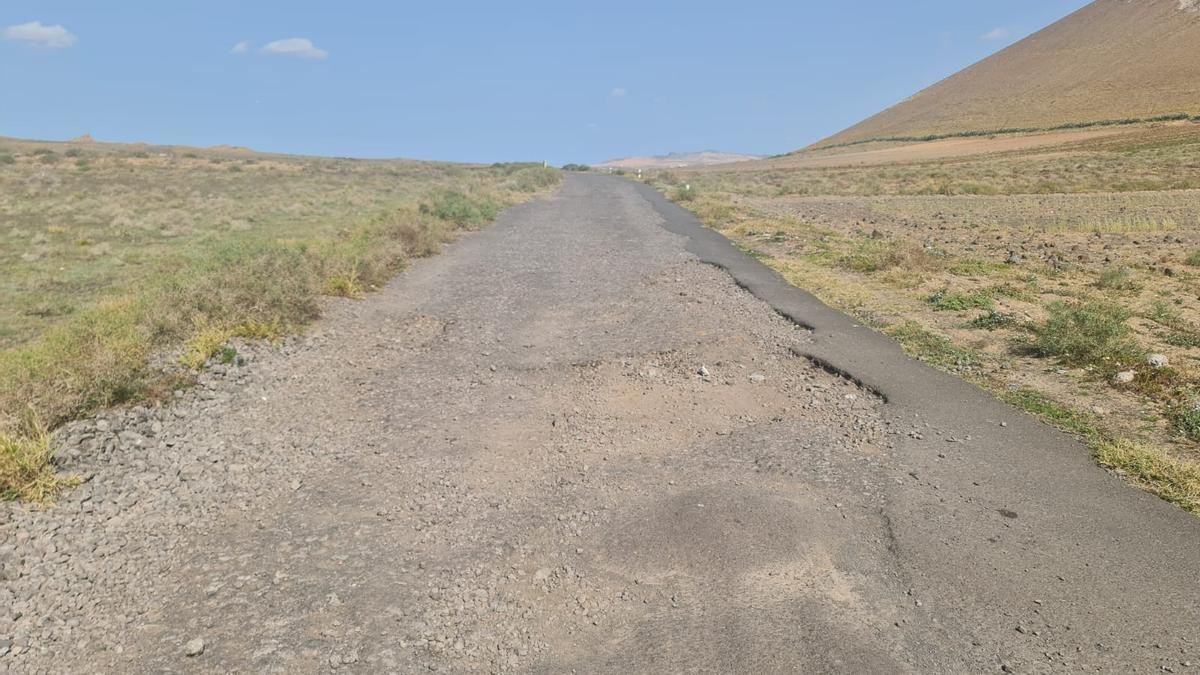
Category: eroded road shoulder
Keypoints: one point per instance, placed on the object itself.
(564, 444)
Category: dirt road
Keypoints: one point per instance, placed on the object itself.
(568, 443)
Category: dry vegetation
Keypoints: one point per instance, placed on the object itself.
(1039, 276)
(126, 267)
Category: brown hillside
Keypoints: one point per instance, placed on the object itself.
(1113, 59)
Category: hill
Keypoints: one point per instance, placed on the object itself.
(677, 160)
(1111, 60)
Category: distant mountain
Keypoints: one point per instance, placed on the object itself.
(1111, 60)
(677, 160)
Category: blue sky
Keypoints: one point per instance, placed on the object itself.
(483, 81)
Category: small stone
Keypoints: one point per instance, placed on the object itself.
(757, 378)
(703, 372)
(194, 648)
(1157, 360)
(1124, 377)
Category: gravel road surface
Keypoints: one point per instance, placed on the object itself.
(594, 438)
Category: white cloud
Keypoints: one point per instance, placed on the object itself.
(617, 92)
(994, 34)
(301, 48)
(240, 48)
(37, 34)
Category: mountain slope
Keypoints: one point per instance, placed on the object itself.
(1113, 59)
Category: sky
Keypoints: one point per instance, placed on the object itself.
(484, 81)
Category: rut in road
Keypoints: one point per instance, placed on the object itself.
(509, 460)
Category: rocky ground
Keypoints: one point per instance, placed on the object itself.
(565, 444)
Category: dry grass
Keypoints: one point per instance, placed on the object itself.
(135, 255)
(26, 468)
(1177, 481)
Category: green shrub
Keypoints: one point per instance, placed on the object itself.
(971, 267)
(1193, 258)
(461, 209)
(1086, 334)
(1183, 339)
(7, 159)
(870, 255)
(685, 193)
(1162, 312)
(1186, 416)
(1117, 279)
(992, 320)
(532, 179)
(945, 300)
(576, 167)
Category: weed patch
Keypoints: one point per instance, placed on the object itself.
(876, 256)
(1036, 403)
(931, 348)
(1084, 334)
(26, 466)
(345, 284)
(1174, 480)
(993, 320)
(1117, 279)
(461, 209)
(685, 193)
(948, 301)
(1185, 415)
(970, 267)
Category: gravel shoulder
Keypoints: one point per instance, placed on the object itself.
(570, 443)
